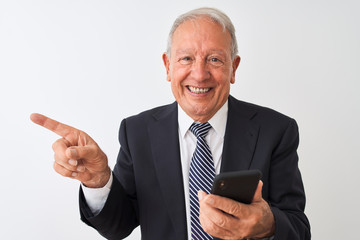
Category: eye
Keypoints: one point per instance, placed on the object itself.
(185, 60)
(215, 61)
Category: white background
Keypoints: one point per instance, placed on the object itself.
(91, 63)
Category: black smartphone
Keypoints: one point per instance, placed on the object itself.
(239, 186)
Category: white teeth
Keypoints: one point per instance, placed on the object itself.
(198, 90)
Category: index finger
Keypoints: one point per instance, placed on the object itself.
(226, 205)
(53, 125)
(233, 207)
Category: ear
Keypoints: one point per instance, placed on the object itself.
(166, 61)
(235, 65)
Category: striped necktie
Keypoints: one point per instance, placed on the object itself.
(201, 177)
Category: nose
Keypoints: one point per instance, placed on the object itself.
(200, 71)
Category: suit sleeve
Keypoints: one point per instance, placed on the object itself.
(119, 216)
(287, 197)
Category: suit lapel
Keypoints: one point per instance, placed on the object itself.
(240, 137)
(164, 139)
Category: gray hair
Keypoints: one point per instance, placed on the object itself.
(212, 13)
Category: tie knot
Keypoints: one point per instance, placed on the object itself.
(200, 129)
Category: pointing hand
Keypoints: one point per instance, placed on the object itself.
(77, 155)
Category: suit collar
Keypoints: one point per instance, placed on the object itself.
(218, 121)
(184, 121)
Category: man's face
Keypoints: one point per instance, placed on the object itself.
(200, 67)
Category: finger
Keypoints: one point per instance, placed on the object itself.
(82, 152)
(214, 221)
(60, 146)
(77, 156)
(53, 125)
(64, 171)
(218, 217)
(81, 176)
(69, 164)
(258, 194)
(226, 205)
(201, 195)
(214, 230)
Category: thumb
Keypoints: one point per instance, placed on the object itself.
(81, 152)
(71, 153)
(258, 194)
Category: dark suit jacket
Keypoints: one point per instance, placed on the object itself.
(148, 184)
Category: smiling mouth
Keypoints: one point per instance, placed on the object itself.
(198, 90)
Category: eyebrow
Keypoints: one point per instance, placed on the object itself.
(187, 50)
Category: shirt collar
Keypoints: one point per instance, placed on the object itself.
(218, 121)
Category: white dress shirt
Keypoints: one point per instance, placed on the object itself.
(187, 140)
(96, 198)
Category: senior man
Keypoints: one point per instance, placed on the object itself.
(152, 184)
